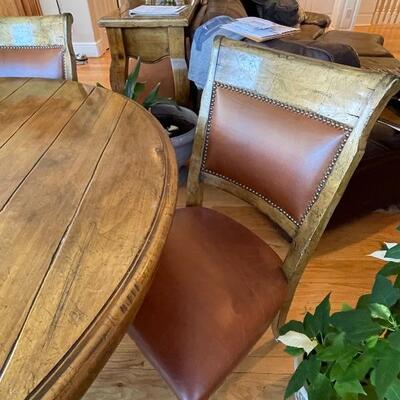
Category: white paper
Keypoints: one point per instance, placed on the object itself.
(156, 10)
(254, 27)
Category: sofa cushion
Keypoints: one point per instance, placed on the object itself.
(331, 52)
(375, 182)
(387, 64)
(285, 12)
(230, 8)
(365, 44)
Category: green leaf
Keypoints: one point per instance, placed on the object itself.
(339, 351)
(298, 380)
(346, 307)
(384, 293)
(359, 368)
(391, 268)
(152, 97)
(130, 84)
(308, 369)
(350, 387)
(364, 302)
(386, 372)
(394, 252)
(311, 326)
(394, 340)
(380, 311)
(393, 392)
(357, 324)
(337, 372)
(321, 388)
(322, 315)
(295, 326)
(372, 341)
(294, 351)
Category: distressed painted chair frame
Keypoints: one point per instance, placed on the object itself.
(348, 98)
(41, 32)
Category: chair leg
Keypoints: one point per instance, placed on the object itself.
(275, 326)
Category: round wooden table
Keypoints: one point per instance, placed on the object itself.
(88, 186)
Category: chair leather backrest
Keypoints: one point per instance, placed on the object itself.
(37, 47)
(283, 132)
(281, 153)
(32, 62)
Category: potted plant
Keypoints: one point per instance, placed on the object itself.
(353, 354)
(179, 122)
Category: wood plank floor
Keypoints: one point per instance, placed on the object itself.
(340, 265)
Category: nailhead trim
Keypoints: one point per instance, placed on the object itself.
(41, 47)
(310, 114)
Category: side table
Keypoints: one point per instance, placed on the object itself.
(151, 38)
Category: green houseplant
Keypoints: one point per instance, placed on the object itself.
(179, 122)
(353, 354)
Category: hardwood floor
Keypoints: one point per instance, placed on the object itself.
(340, 265)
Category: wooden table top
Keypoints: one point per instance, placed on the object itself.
(121, 19)
(87, 194)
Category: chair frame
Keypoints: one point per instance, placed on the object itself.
(49, 32)
(346, 97)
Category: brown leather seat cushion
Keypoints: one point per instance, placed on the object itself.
(217, 290)
(365, 44)
(36, 62)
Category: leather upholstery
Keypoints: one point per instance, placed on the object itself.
(35, 62)
(152, 74)
(331, 52)
(259, 149)
(217, 290)
(365, 44)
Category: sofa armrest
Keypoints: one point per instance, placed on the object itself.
(320, 20)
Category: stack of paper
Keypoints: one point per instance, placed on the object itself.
(156, 11)
(258, 29)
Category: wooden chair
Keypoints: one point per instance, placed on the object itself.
(37, 47)
(284, 133)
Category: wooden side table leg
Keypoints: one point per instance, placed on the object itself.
(119, 60)
(176, 37)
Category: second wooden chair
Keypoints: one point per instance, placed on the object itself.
(285, 134)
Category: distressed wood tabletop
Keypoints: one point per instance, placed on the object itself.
(87, 194)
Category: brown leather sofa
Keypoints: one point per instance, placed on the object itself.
(375, 183)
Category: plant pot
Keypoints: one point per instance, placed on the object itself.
(302, 393)
(169, 114)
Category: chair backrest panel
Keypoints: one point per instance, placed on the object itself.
(25, 41)
(273, 128)
(281, 153)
